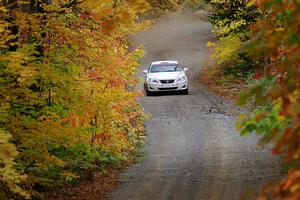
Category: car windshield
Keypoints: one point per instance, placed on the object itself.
(157, 68)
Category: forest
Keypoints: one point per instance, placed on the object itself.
(68, 99)
(259, 43)
(68, 104)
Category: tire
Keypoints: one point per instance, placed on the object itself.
(148, 93)
(185, 92)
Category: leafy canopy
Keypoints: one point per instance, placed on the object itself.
(67, 98)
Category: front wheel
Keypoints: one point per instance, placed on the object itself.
(186, 91)
(148, 93)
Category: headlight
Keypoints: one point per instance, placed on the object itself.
(152, 80)
(182, 78)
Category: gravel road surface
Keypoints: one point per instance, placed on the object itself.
(192, 151)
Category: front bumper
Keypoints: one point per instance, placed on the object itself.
(160, 87)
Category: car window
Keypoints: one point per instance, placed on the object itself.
(157, 68)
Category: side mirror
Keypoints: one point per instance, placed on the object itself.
(185, 69)
(145, 71)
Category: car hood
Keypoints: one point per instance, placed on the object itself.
(166, 75)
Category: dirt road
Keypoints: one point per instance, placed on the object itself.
(192, 151)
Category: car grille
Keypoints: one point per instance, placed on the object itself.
(167, 81)
(170, 88)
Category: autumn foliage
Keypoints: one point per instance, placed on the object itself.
(162, 6)
(276, 38)
(67, 99)
(231, 20)
(270, 38)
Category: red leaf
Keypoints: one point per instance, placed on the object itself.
(102, 136)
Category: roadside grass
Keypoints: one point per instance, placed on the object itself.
(141, 155)
(285, 167)
(228, 86)
(98, 184)
(92, 189)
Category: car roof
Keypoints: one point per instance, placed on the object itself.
(164, 62)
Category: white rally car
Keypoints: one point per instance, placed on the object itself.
(165, 76)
